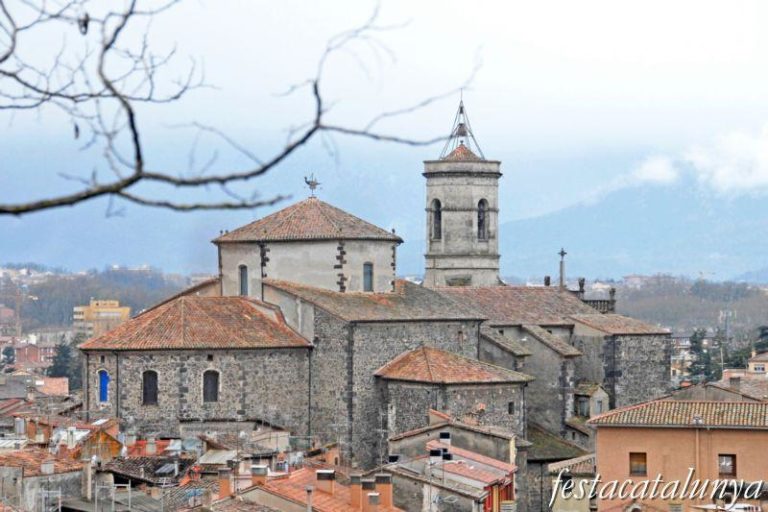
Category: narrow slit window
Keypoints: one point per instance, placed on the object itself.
(368, 277)
(211, 386)
(243, 280)
(437, 220)
(103, 386)
(149, 387)
(482, 220)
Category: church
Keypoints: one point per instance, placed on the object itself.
(308, 327)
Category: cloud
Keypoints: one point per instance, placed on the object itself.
(659, 170)
(734, 163)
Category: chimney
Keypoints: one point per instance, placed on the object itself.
(547, 280)
(735, 382)
(582, 283)
(374, 500)
(151, 446)
(326, 479)
(356, 492)
(384, 489)
(369, 487)
(562, 254)
(435, 456)
(259, 475)
(47, 467)
(445, 438)
(309, 490)
(71, 438)
(225, 484)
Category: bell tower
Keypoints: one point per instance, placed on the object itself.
(462, 212)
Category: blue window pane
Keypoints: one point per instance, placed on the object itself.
(103, 386)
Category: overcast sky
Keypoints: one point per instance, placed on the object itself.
(575, 98)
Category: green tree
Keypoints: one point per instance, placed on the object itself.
(62, 362)
(9, 355)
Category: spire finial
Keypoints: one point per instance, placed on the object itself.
(312, 184)
(462, 136)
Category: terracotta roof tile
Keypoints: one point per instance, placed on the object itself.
(579, 466)
(31, 461)
(431, 365)
(311, 219)
(409, 301)
(618, 324)
(191, 322)
(511, 345)
(517, 305)
(759, 358)
(294, 488)
(470, 455)
(678, 413)
(550, 447)
(462, 153)
(552, 341)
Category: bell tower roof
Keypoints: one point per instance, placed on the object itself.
(462, 145)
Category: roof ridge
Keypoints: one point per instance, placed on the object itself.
(426, 360)
(327, 217)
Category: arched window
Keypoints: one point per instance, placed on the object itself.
(211, 386)
(482, 220)
(243, 280)
(367, 277)
(103, 386)
(149, 387)
(437, 220)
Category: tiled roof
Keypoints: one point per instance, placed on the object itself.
(56, 386)
(553, 341)
(677, 413)
(580, 466)
(294, 487)
(586, 388)
(511, 345)
(409, 301)
(150, 469)
(311, 219)
(201, 323)
(236, 505)
(754, 386)
(550, 447)
(461, 153)
(31, 461)
(431, 365)
(759, 358)
(474, 456)
(517, 305)
(618, 324)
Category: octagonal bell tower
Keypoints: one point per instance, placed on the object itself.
(462, 212)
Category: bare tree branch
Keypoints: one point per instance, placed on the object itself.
(101, 87)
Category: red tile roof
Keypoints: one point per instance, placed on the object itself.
(470, 455)
(431, 365)
(191, 322)
(409, 301)
(517, 305)
(294, 487)
(55, 386)
(311, 219)
(618, 324)
(461, 153)
(31, 461)
(579, 466)
(553, 341)
(677, 413)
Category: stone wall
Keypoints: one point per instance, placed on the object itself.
(315, 263)
(414, 493)
(550, 395)
(375, 344)
(642, 367)
(267, 384)
(492, 353)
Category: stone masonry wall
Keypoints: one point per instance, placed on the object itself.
(268, 384)
(643, 367)
(374, 345)
(550, 396)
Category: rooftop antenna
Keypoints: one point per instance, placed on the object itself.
(312, 183)
(461, 133)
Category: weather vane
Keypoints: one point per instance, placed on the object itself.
(312, 183)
